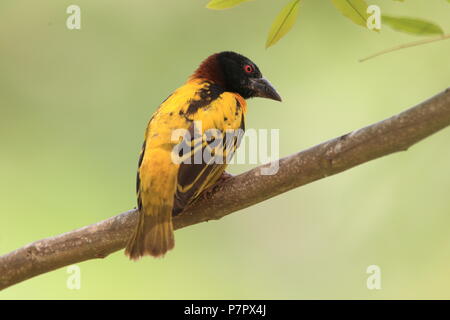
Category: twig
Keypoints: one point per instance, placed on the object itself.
(99, 240)
(406, 45)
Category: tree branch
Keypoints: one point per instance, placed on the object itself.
(100, 239)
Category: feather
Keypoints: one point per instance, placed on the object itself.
(165, 188)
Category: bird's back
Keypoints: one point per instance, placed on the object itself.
(163, 184)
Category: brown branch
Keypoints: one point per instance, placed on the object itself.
(99, 240)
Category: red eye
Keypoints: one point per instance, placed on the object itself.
(248, 68)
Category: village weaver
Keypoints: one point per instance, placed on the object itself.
(214, 96)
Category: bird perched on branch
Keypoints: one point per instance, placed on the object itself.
(213, 96)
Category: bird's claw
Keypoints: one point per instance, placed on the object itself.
(207, 194)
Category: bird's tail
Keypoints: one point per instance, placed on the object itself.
(153, 235)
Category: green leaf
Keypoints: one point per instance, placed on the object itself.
(283, 22)
(224, 4)
(412, 25)
(355, 10)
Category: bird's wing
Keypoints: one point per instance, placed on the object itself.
(221, 122)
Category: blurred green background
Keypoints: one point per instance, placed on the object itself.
(74, 106)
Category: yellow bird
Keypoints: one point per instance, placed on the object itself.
(213, 98)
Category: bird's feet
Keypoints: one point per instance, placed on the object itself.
(207, 194)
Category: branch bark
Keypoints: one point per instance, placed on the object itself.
(98, 240)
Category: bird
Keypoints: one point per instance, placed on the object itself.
(215, 96)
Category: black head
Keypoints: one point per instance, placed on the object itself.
(237, 73)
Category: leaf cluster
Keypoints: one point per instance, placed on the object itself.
(355, 10)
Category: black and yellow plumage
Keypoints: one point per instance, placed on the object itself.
(214, 96)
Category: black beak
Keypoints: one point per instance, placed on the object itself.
(262, 88)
